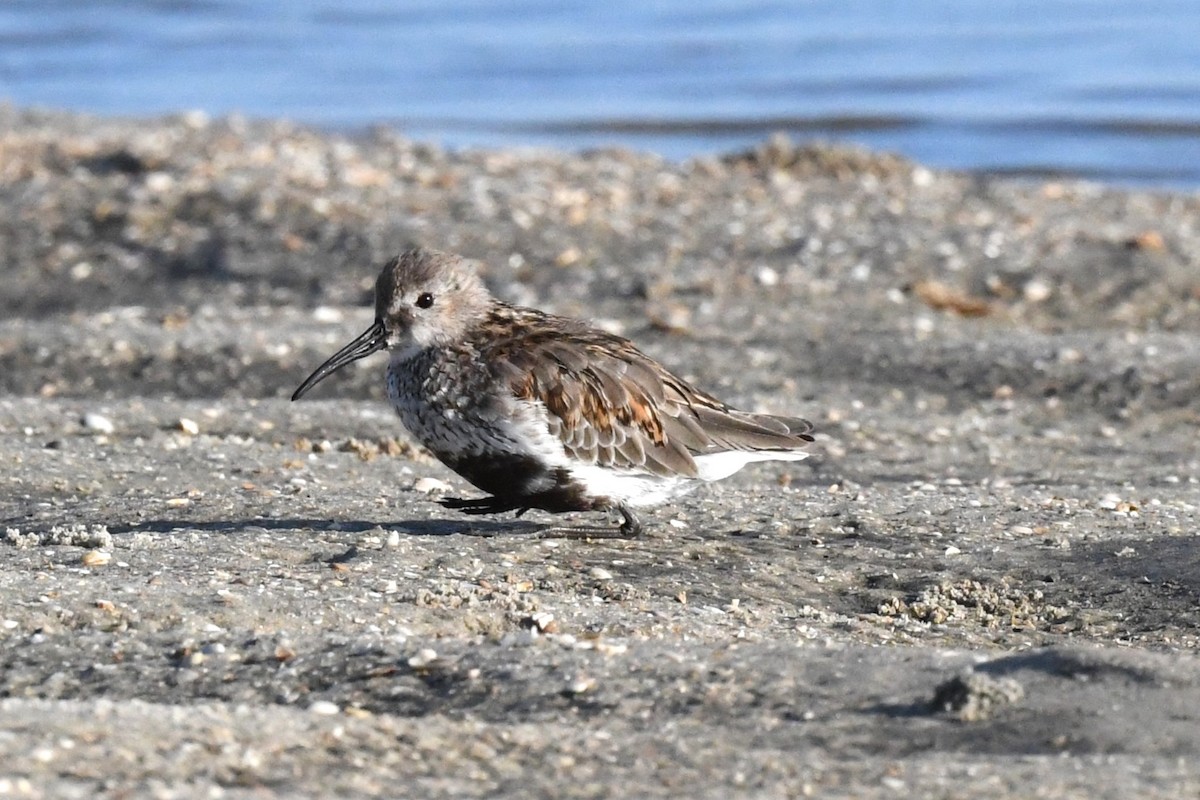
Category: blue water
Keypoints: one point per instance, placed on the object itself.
(1108, 89)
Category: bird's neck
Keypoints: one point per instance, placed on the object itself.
(402, 355)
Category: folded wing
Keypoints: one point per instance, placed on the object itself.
(611, 405)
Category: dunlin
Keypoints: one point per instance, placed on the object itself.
(542, 411)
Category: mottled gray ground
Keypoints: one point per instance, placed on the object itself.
(984, 585)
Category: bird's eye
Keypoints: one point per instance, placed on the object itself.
(425, 300)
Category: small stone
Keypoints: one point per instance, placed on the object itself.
(98, 423)
(581, 684)
(327, 314)
(423, 658)
(542, 622)
(431, 486)
(325, 708)
(95, 558)
(607, 648)
(766, 276)
(600, 574)
(1036, 291)
(188, 426)
(943, 297)
(159, 182)
(922, 177)
(670, 317)
(568, 257)
(1147, 240)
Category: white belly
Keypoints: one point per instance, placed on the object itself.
(640, 489)
(637, 489)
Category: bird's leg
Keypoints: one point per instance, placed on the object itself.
(629, 529)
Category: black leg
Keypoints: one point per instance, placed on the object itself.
(630, 528)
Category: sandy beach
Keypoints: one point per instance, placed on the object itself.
(984, 584)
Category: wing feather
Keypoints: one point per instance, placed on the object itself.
(612, 405)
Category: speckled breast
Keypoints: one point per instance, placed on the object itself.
(449, 403)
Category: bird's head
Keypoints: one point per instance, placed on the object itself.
(423, 298)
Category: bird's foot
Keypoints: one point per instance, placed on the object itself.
(631, 528)
(580, 532)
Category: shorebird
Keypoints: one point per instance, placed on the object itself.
(545, 412)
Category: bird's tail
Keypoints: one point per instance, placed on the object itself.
(739, 430)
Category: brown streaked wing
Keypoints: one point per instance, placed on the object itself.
(604, 403)
(610, 404)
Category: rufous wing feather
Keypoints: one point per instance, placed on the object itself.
(612, 405)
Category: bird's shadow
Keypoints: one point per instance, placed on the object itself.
(413, 527)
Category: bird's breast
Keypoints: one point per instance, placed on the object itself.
(450, 405)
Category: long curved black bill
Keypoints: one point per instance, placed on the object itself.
(372, 340)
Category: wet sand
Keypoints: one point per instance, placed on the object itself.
(984, 585)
